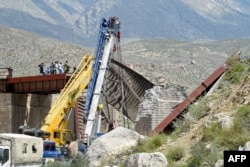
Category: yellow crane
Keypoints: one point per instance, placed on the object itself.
(54, 126)
(56, 122)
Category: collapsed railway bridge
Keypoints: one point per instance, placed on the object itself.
(28, 99)
(100, 87)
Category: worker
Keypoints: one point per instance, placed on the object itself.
(56, 69)
(114, 48)
(47, 71)
(66, 67)
(111, 22)
(104, 22)
(118, 35)
(60, 68)
(85, 117)
(10, 71)
(51, 67)
(117, 22)
(42, 68)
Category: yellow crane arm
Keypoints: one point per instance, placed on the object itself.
(56, 121)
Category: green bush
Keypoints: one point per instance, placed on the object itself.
(199, 109)
(203, 156)
(233, 75)
(242, 118)
(221, 139)
(181, 125)
(152, 143)
(221, 86)
(239, 133)
(233, 137)
(175, 154)
(194, 162)
(78, 161)
(57, 164)
(197, 151)
(211, 132)
(248, 65)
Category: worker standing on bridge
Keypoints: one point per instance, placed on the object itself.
(47, 71)
(56, 69)
(51, 67)
(10, 71)
(66, 67)
(60, 68)
(42, 68)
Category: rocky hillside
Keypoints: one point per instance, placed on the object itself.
(215, 123)
(24, 51)
(161, 61)
(181, 63)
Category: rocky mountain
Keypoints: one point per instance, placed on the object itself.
(78, 21)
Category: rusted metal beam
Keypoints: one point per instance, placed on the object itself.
(37, 84)
(201, 89)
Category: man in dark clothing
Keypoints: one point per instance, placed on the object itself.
(42, 68)
(104, 22)
(10, 71)
(66, 67)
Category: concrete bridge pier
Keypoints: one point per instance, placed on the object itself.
(23, 109)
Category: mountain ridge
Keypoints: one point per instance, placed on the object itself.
(78, 21)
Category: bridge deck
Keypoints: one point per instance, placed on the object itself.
(34, 84)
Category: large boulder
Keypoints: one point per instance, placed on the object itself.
(219, 163)
(156, 159)
(115, 142)
(247, 146)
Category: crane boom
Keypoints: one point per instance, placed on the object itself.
(56, 121)
(108, 35)
(96, 64)
(98, 87)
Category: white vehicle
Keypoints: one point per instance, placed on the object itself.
(18, 150)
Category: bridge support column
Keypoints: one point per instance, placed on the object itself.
(18, 109)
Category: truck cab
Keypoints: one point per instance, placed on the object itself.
(18, 150)
(50, 150)
(5, 158)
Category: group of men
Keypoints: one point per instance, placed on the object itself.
(54, 68)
